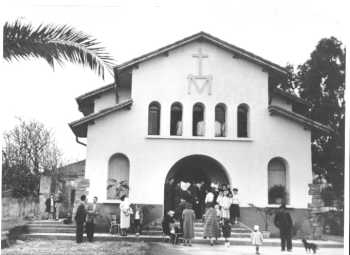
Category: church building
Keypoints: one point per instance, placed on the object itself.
(199, 109)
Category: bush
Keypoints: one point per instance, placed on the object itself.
(333, 223)
(275, 192)
(328, 196)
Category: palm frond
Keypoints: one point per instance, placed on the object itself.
(55, 44)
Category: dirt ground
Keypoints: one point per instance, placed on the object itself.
(62, 247)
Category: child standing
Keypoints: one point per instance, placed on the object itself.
(138, 218)
(226, 230)
(257, 238)
(234, 208)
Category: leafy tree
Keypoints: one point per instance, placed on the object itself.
(29, 151)
(55, 44)
(321, 81)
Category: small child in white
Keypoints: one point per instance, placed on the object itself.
(257, 238)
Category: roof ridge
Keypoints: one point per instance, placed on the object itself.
(213, 39)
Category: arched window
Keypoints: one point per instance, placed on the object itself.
(242, 120)
(118, 176)
(176, 119)
(277, 181)
(220, 120)
(198, 124)
(154, 118)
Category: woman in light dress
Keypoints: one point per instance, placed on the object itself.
(125, 212)
(211, 224)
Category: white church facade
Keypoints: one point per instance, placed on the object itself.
(197, 109)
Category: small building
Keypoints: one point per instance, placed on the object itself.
(68, 185)
(199, 109)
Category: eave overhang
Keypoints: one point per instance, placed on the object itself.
(306, 122)
(79, 127)
(95, 93)
(236, 51)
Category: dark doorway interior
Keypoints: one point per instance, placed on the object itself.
(194, 169)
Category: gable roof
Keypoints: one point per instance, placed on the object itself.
(79, 127)
(238, 52)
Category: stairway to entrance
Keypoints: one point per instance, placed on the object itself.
(238, 230)
(51, 227)
(57, 230)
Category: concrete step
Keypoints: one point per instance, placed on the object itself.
(50, 230)
(40, 225)
(48, 222)
(155, 238)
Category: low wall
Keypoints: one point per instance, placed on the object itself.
(20, 207)
(301, 224)
(151, 213)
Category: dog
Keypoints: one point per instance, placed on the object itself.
(309, 246)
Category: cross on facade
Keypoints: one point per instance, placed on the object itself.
(200, 57)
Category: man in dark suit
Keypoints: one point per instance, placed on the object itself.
(284, 222)
(80, 218)
(90, 224)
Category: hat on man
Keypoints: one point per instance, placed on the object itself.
(256, 227)
(171, 212)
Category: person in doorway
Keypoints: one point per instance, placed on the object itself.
(188, 218)
(169, 191)
(234, 208)
(125, 212)
(177, 195)
(195, 199)
(138, 219)
(50, 207)
(90, 220)
(211, 224)
(209, 198)
(201, 195)
(283, 221)
(80, 218)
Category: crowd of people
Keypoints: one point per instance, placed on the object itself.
(216, 205)
(198, 195)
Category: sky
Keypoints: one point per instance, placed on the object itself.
(280, 31)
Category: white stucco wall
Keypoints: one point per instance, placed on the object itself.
(281, 103)
(106, 100)
(235, 81)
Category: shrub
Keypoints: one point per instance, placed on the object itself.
(328, 196)
(275, 192)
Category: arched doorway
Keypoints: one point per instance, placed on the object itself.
(193, 169)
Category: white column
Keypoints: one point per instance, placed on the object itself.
(209, 118)
(187, 119)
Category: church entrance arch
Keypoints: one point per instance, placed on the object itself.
(192, 169)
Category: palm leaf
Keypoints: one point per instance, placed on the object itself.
(55, 44)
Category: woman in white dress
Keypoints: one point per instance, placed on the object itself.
(125, 212)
